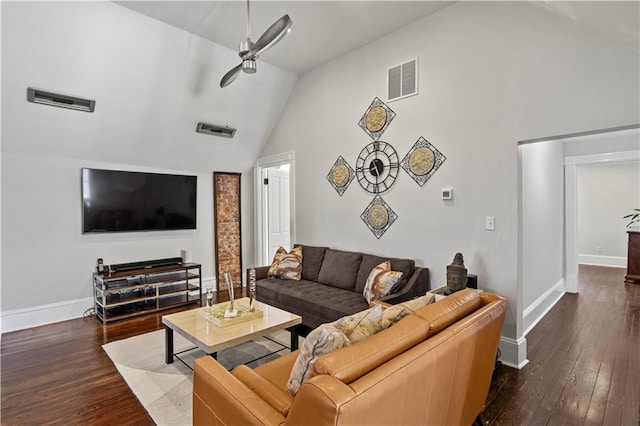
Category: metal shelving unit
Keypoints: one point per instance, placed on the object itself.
(127, 294)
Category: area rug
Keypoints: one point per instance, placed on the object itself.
(165, 390)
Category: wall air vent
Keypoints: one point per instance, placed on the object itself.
(402, 80)
(46, 97)
(215, 130)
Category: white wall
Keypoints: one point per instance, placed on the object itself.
(606, 193)
(152, 83)
(491, 74)
(542, 257)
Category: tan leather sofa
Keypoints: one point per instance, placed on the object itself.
(431, 368)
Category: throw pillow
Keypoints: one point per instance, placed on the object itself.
(320, 341)
(395, 313)
(285, 265)
(381, 281)
(362, 324)
(330, 337)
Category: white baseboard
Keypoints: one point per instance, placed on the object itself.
(513, 352)
(590, 259)
(19, 319)
(571, 283)
(538, 309)
(35, 316)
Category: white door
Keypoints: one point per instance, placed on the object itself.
(278, 209)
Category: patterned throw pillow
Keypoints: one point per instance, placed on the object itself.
(361, 325)
(330, 337)
(381, 281)
(395, 313)
(285, 265)
(320, 341)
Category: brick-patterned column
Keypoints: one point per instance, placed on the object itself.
(228, 247)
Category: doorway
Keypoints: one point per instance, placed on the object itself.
(573, 246)
(547, 216)
(275, 206)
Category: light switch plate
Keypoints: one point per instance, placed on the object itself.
(490, 224)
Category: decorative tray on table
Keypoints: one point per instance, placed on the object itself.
(216, 314)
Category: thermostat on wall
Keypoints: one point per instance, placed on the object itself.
(447, 193)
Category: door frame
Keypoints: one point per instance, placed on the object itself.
(260, 202)
(571, 205)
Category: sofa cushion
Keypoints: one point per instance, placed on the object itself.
(360, 358)
(369, 261)
(340, 269)
(330, 337)
(380, 282)
(310, 299)
(452, 308)
(312, 258)
(285, 265)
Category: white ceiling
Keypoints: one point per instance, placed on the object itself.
(321, 31)
(325, 30)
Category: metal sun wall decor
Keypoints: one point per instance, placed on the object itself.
(378, 216)
(376, 119)
(422, 161)
(341, 175)
(377, 167)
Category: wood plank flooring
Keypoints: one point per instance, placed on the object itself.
(584, 366)
(584, 360)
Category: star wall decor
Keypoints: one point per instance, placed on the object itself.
(376, 119)
(340, 175)
(422, 161)
(378, 216)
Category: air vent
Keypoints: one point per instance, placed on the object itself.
(215, 130)
(46, 97)
(402, 80)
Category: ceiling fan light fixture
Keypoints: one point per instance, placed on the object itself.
(249, 66)
(249, 51)
(244, 47)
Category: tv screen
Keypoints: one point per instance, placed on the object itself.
(119, 201)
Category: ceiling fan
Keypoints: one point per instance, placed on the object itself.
(250, 51)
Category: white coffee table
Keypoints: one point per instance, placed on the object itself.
(211, 339)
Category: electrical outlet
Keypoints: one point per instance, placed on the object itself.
(490, 223)
(598, 249)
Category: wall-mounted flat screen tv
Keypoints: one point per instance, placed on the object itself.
(122, 201)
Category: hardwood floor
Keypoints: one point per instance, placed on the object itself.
(584, 360)
(584, 366)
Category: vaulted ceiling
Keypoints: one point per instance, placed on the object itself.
(325, 30)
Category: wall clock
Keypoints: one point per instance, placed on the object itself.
(377, 167)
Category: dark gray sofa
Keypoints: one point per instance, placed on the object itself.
(332, 284)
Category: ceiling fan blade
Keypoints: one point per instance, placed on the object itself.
(270, 37)
(230, 76)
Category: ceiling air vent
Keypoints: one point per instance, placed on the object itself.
(215, 130)
(402, 80)
(46, 97)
